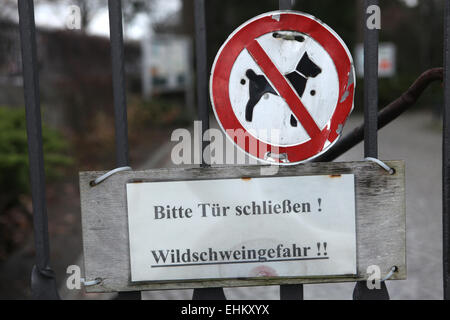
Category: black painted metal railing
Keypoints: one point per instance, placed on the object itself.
(43, 279)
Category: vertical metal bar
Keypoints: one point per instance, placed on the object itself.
(120, 99)
(371, 36)
(370, 86)
(203, 113)
(119, 86)
(43, 279)
(295, 291)
(285, 4)
(446, 158)
(202, 70)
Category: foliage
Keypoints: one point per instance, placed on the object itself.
(14, 176)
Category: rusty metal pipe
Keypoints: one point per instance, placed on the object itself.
(386, 115)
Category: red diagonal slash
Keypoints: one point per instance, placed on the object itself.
(283, 88)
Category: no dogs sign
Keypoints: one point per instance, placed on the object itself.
(282, 87)
(184, 228)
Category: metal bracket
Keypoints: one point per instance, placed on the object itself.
(102, 178)
(269, 156)
(394, 269)
(90, 283)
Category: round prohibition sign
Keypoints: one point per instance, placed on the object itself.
(284, 72)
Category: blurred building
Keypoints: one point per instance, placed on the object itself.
(74, 71)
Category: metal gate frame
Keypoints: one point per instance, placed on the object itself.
(43, 282)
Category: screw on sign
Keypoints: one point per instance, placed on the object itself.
(283, 72)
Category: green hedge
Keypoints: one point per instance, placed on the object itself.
(14, 172)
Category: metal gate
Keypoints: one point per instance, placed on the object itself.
(43, 279)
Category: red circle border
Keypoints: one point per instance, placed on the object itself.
(239, 40)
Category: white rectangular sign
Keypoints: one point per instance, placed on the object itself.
(300, 226)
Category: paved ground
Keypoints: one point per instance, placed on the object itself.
(414, 138)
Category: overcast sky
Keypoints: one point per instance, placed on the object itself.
(55, 16)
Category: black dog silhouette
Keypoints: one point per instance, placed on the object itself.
(259, 85)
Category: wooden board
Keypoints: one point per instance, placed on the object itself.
(380, 222)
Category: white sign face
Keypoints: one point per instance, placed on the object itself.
(242, 228)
